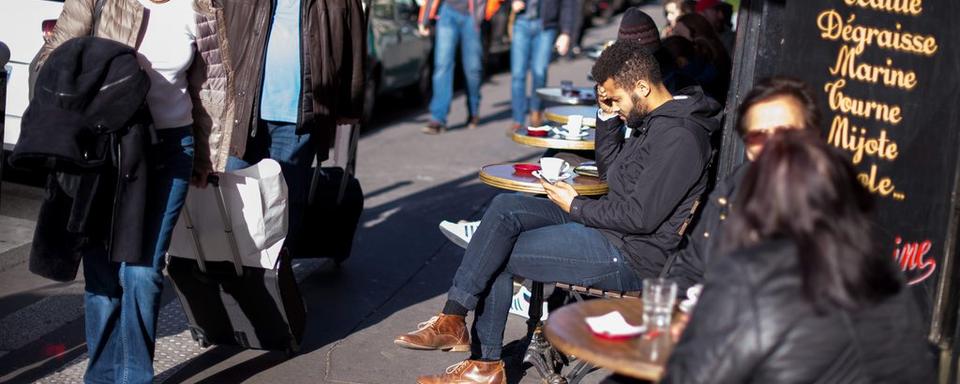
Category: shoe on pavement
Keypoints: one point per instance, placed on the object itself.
(443, 332)
(459, 233)
(469, 372)
(434, 128)
(520, 305)
(473, 123)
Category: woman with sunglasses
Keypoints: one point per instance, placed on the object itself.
(799, 294)
(774, 104)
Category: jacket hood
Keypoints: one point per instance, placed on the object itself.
(692, 104)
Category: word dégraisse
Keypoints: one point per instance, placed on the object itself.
(833, 28)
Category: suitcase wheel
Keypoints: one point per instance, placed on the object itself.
(199, 338)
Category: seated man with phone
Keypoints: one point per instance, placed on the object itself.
(612, 242)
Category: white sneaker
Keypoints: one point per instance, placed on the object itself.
(520, 305)
(459, 233)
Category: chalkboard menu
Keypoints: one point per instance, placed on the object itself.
(887, 74)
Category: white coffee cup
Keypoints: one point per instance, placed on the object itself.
(574, 125)
(552, 167)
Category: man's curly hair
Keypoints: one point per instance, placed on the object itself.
(626, 62)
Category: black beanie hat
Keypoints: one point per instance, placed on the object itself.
(637, 25)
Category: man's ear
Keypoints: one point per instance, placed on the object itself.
(641, 88)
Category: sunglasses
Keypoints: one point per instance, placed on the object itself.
(760, 136)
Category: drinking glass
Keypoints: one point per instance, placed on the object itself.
(566, 88)
(659, 296)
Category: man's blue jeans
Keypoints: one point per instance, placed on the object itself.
(533, 238)
(531, 49)
(295, 153)
(454, 27)
(123, 300)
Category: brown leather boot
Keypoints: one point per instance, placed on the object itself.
(536, 118)
(444, 332)
(469, 372)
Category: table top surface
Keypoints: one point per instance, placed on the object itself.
(553, 141)
(583, 96)
(503, 176)
(559, 114)
(640, 357)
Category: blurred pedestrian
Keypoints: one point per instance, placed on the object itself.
(457, 22)
(673, 9)
(539, 27)
(295, 82)
(177, 45)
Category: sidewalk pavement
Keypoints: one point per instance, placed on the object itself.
(398, 275)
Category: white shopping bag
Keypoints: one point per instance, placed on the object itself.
(255, 199)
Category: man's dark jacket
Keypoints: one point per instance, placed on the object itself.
(654, 178)
(87, 122)
(691, 261)
(333, 61)
(754, 324)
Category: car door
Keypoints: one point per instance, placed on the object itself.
(416, 48)
(386, 43)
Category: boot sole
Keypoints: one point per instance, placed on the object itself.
(445, 348)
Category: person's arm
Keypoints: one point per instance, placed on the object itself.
(75, 20)
(608, 141)
(722, 341)
(427, 12)
(656, 187)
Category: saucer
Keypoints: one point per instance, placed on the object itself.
(564, 176)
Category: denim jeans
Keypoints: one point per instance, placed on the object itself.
(123, 300)
(454, 27)
(295, 153)
(532, 238)
(531, 49)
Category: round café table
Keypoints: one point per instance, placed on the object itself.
(640, 357)
(584, 96)
(552, 141)
(503, 176)
(560, 113)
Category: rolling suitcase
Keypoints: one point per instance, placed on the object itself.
(228, 303)
(334, 205)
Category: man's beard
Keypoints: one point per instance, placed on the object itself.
(636, 115)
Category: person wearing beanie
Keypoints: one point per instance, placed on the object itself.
(539, 27)
(639, 26)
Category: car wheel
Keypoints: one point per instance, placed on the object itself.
(425, 84)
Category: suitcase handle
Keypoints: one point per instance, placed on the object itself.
(214, 182)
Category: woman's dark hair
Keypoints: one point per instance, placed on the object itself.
(801, 189)
(707, 42)
(780, 86)
(678, 47)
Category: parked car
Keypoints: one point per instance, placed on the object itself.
(400, 59)
(22, 27)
